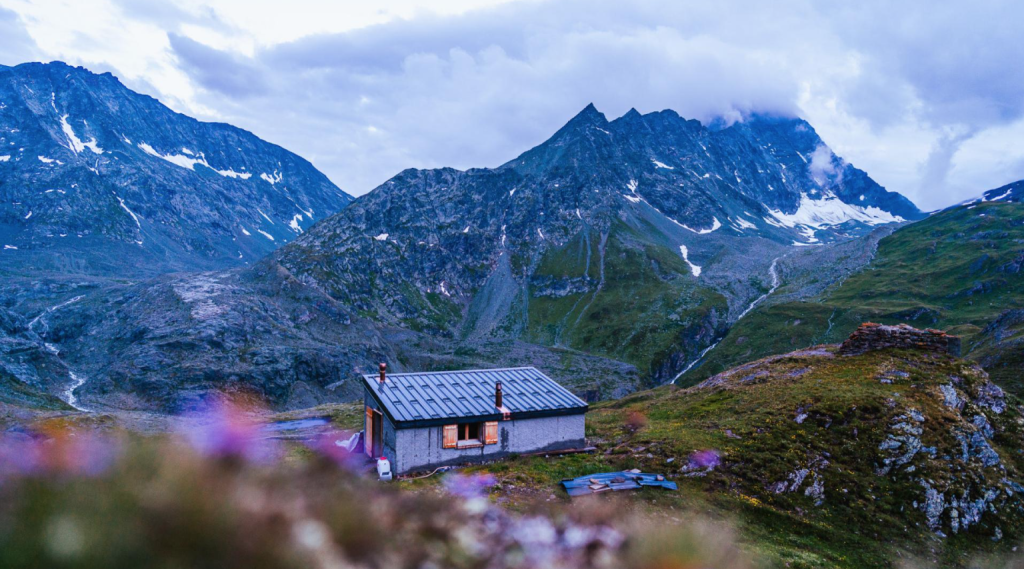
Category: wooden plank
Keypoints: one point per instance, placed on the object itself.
(451, 436)
(491, 432)
(368, 433)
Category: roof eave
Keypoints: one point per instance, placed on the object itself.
(522, 415)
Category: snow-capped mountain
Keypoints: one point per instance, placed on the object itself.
(767, 178)
(650, 228)
(89, 166)
(628, 246)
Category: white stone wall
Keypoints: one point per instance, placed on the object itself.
(420, 448)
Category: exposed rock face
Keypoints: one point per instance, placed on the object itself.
(99, 179)
(870, 336)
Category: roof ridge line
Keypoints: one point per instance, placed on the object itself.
(456, 371)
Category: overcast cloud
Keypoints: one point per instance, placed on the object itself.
(927, 97)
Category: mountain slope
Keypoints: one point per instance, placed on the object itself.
(831, 460)
(612, 255)
(107, 181)
(652, 218)
(960, 269)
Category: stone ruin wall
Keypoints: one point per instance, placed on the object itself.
(870, 336)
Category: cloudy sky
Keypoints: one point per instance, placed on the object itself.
(927, 97)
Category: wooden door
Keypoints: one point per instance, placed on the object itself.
(378, 435)
(368, 433)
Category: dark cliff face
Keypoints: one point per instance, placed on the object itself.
(90, 168)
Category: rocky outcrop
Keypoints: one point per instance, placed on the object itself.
(870, 336)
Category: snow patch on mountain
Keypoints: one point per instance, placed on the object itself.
(830, 210)
(232, 174)
(77, 146)
(265, 234)
(808, 234)
(742, 223)
(176, 159)
(5, 158)
(715, 226)
(186, 161)
(294, 223)
(662, 165)
(272, 178)
(130, 212)
(1002, 197)
(686, 257)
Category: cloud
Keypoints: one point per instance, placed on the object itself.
(477, 89)
(884, 84)
(17, 45)
(218, 71)
(825, 166)
(935, 171)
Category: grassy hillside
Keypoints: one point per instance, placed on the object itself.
(958, 270)
(625, 297)
(805, 465)
(801, 460)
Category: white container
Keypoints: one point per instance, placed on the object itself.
(383, 468)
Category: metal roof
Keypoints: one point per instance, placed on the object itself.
(421, 399)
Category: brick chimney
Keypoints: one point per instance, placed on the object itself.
(497, 395)
(383, 368)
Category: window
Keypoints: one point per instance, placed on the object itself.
(467, 435)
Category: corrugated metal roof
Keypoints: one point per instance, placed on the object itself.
(432, 397)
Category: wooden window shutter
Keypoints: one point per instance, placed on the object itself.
(451, 436)
(368, 432)
(491, 432)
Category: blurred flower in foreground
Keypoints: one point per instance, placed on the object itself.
(469, 486)
(57, 452)
(702, 462)
(326, 445)
(226, 430)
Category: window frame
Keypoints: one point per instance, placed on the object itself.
(458, 435)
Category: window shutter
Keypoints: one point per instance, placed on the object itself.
(451, 436)
(491, 432)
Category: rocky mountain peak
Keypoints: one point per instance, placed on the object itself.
(92, 167)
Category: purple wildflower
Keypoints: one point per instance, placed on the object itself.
(469, 486)
(225, 430)
(326, 445)
(20, 455)
(707, 459)
(75, 453)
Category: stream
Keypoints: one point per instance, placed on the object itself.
(774, 273)
(77, 380)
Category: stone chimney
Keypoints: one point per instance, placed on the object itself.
(497, 395)
(383, 369)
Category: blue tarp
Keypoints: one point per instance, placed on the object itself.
(615, 481)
